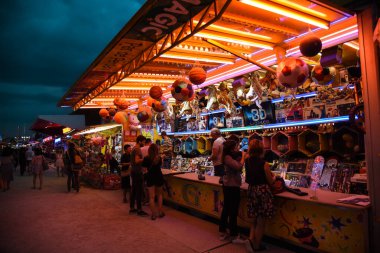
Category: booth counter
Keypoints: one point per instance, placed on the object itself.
(320, 224)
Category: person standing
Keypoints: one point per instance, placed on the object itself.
(137, 177)
(59, 162)
(154, 180)
(125, 162)
(216, 153)
(166, 150)
(22, 160)
(144, 150)
(260, 198)
(74, 168)
(37, 167)
(29, 156)
(6, 168)
(233, 163)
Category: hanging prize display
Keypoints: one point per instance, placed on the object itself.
(323, 75)
(197, 75)
(182, 90)
(292, 72)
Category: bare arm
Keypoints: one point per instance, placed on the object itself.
(233, 164)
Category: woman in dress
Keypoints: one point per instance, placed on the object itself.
(37, 167)
(59, 162)
(154, 180)
(6, 168)
(260, 198)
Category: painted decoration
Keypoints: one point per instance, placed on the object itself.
(310, 46)
(197, 75)
(326, 228)
(292, 72)
(323, 75)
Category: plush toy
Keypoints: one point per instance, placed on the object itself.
(103, 113)
(212, 103)
(238, 87)
(323, 76)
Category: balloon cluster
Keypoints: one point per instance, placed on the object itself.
(156, 100)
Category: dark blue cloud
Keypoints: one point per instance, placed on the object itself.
(45, 46)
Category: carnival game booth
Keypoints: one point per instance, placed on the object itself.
(295, 74)
(98, 144)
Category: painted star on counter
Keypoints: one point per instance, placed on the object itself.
(306, 222)
(336, 223)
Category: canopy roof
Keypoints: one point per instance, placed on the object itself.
(165, 39)
(54, 124)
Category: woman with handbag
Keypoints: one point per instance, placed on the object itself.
(260, 198)
(37, 166)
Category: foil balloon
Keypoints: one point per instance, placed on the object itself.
(323, 76)
(197, 75)
(292, 72)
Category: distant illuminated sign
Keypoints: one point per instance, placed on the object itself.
(66, 130)
(47, 139)
(58, 140)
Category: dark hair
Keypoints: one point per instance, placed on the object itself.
(126, 146)
(163, 133)
(148, 140)
(140, 138)
(153, 153)
(7, 151)
(71, 145)
(228, 148)
(233, 137)
(256, 148)
(38, 151)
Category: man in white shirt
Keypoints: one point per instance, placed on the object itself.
(217, 151)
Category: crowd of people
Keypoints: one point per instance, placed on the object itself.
(142, 178)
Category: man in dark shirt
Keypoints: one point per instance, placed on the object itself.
(137, 177)
(125, 162)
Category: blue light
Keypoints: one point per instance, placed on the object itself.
(308, 122)
(304, 95)
(213, 112)
(189, 132)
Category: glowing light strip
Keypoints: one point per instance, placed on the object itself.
(352, 45)
(116, 87)
(300, 8)
(212, 112)
(147, 80)
(233, 40)
(97, 129)
(195, 58)
(288, 12)
(271, 126)
(236, 32)
(111, 99)
(305, 95)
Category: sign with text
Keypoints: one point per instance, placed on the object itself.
(253, 115)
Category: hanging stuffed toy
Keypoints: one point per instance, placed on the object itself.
(212, 103)
(224, 100)
(239, 86)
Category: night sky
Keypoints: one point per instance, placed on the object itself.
(45, 46)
